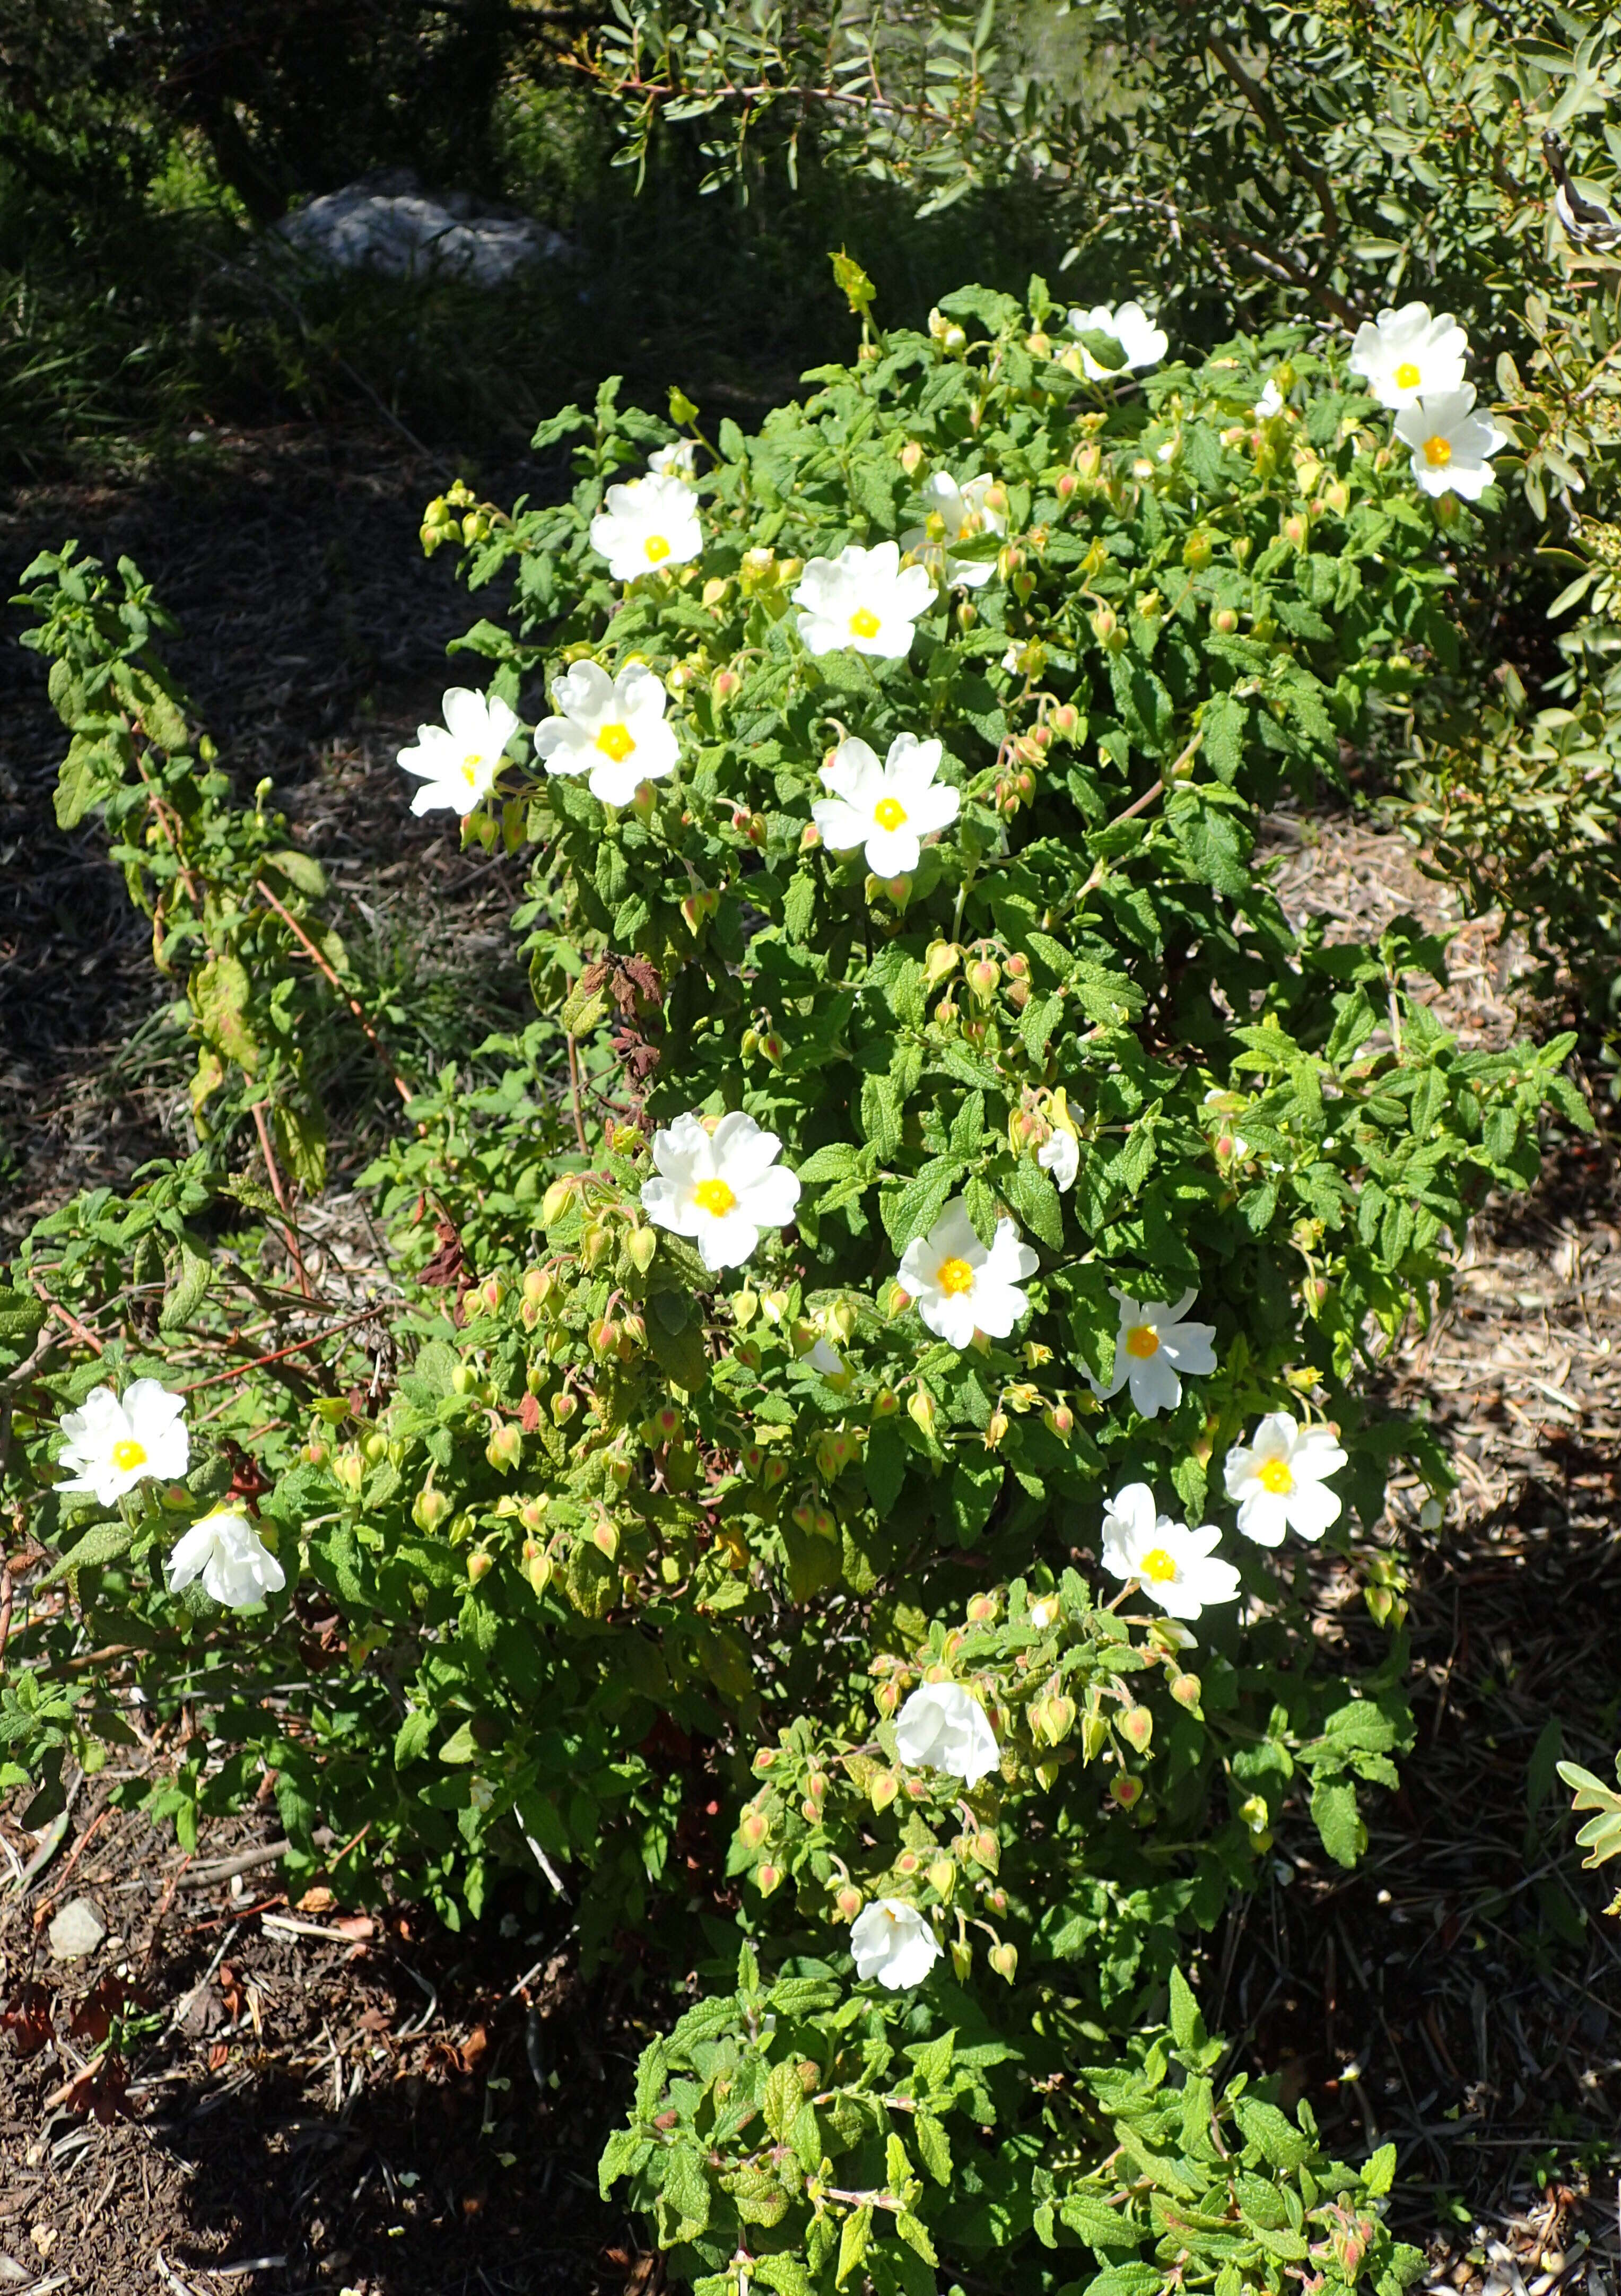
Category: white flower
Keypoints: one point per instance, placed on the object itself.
(889, 808)
(678, 461)
(234, 1563)
(960, 1287)
(825, 1359)
(1043, 1611)
(1270, 402)
(1143, 343)
(720, 1189)
(1062, 1156)
(114, 1444)
(646, 524)
(1151, 1347)
(456, 762)
(1175, 1567)
(1452, 445)
(1406, 355)
(1276, 1481)
(863, 599)
(892, 1942)
(954, 513)
(942, 1727)
(613, 729)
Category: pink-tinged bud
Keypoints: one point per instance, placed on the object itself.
(917, 1788)
(478, 1566)
(633, 1334)
(693, 915)
(1224, 619)
(771, 1045)
(753, 1828)
(773, 1472)
(1004, 1960)
(1185, 1689)
(983, 975)
(810, 837)
(564, 1406)
(920, 1407)
(961, 1959)
(765, 1759)
(431, 1508)
(1023, 781)
(968, 614)
(1297, 530)
(604, 1537)
(886, 1697)
(1067, 483)
(898, 890)
(1039, 344)
(725, 683)
(1066, 721)
(537, 1286)
(768, 1878)
(505, 1448)
(985, 1850)
(1314, 1292)
(982, 1609)
(603, 1338)
(912, 457)
(886, 1403)
(823, 1525)
(1058, 1420)
(531, 1514)
(848, 1902)
(1028, 750)
(1136, 1725)
(908, 1862)
(882, 1789)
(1127, 1792)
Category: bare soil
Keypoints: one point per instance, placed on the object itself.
(322, 2100)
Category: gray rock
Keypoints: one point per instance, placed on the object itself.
(387, 223)
(76, 1930)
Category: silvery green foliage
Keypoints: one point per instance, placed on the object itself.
(599, 1557)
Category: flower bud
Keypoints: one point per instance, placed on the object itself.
(985, 1850)
(1127, 1792)
(754, 1827)
(478, 1565)
(536, 1568)
(848, 1902)
(982, 976)
(604, 1537)
(1185, 1690)
(768, 1878)
(1198, 551)
(1297, 530)
(1254, 1812)
(886, 1697)
(920, 1407)
(1058, 1420)
(1224, 619)
(912, 457)
(504, 1449)
(430, 1508)
(1004, 1960)
(1067, 483)
(564, 1406)
(961, 1959)
(556, 1201)
(1136, 1725)
(996, 1428)
(940, 961)
(942, 1876)
(968, 613)
(882, 1789)
(349, 1468)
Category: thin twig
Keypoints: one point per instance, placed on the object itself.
(278, 1190)
(81, 1331)
(297, 930)
(574, 1088)
(295, 1346)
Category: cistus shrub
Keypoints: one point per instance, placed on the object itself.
(832, 1461)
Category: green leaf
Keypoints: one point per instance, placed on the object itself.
(853, 2235)
(933, 2146)
(783, 2098)
(1271, 2133)
(185, 1291)
(103, 1542)
(1335, 1815)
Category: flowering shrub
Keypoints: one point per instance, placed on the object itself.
(854, 1391)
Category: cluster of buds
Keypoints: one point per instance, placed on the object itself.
(951, 337)
(452, 517)
(698, 907)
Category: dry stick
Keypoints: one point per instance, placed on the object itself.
(279, 1193)
(81, 1331)
(297, 930)
(316, 1340)
(7, 1592)
(574, 1087)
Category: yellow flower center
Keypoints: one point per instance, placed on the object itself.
(616, 741)
(1407, 376)
(1142, 1341)
(715, 1197)
(890, 813)
(864, 623)
(657, 549)
(128, 1455)
(1437, 452)
(470, 764)
(1157, 1567)
(954, 1276)
(1276, 1476)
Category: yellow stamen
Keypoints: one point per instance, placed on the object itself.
(954, 1276)
(1276, 1476)
(657, 549)
(1407, 376)
(470, 764)
(890, 813)
(128, 1455)
(616, 741)
(1142, 1341)
(1437, 452)
(1157, 1567)
(864, 623)
(713, 1196)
